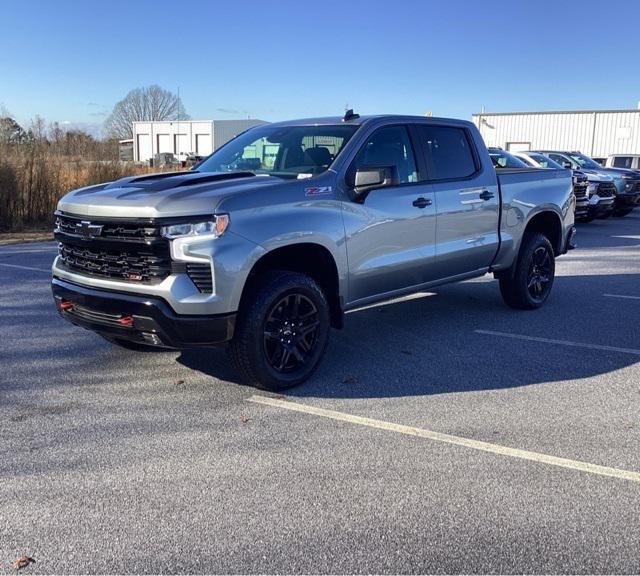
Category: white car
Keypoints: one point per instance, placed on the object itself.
(631, 161)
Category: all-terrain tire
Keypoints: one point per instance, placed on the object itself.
(528, 284)
(267, 331)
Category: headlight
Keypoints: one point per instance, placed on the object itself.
(214, 228)
(592, 188)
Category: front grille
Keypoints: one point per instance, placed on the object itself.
(606, 189)
(200, 275)
(125, 249)
(580, 189)
(636, 187)
(119, 264)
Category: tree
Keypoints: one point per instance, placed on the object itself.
(10, 131)
(149, 103)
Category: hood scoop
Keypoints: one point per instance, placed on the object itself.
(159, 176)
(215, 177)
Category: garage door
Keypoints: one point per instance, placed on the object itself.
(518, 146)
(164, 143)
(143, 146)
(181, 143)
(203, 144)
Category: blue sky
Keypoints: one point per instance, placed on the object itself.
(71, 61)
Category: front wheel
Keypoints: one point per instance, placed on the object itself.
(529, 284)
(622, 212)
(282, 332)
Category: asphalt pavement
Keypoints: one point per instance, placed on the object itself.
(443, 433)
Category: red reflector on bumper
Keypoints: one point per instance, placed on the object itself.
(126, 320)
(65, 304)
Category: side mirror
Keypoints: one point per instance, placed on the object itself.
(566, 165)
(369, 177)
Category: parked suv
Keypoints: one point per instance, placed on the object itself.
(626, 182)
(338, 213)
(580, 180)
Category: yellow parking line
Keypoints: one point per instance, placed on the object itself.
(449, 439)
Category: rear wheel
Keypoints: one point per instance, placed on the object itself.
(282, 332)
(529, 284)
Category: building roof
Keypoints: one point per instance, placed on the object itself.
(604, 111)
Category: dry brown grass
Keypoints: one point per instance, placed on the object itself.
(33, 179)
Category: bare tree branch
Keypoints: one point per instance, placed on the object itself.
(148, 103)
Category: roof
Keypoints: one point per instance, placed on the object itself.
(604, 111)
(332, 120)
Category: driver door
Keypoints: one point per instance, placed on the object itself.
(391, 234)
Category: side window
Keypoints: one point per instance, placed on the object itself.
(559, 159)
(622, 161)
(448, 152)
(388, 146)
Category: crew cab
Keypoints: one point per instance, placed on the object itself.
(282, 230)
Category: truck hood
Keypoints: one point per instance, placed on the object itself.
(159, 195)
(594, 176)
(616, 173)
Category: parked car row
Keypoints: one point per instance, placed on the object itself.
(600, 191)
(170, 159)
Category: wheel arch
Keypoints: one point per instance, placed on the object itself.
(549, 223)
(310, 258)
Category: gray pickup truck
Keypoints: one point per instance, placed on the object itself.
(272, 238)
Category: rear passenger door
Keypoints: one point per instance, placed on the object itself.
(467, 200)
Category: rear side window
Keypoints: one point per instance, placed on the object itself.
(448, 152)
(622, 161)
(562, 160)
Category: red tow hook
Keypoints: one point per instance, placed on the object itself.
(126, 320)
(64, 304)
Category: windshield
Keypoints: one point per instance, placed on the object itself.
(544, 161)
(284, 151)
(502, 159)
(584, 161)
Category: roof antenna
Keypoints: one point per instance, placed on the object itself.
(349, 115)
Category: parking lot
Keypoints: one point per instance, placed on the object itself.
(443, 433)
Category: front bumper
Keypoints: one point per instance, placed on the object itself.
(143, 319)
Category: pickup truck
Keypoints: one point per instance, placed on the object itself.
(335, 214)
(626, 183)
(580, 181)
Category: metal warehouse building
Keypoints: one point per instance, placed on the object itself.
(184, 136)
(597, 133)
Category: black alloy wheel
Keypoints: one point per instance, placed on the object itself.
(291, 333)
(540, 273)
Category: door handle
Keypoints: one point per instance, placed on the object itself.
(422, 202)
(486, 195)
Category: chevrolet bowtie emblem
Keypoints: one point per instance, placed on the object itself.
(88, 230)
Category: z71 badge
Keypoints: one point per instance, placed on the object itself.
(318, 190)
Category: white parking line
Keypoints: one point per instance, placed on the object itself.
(560, 342)
(450, 439)
(622, 296)
(48, 270)
(10, 253)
